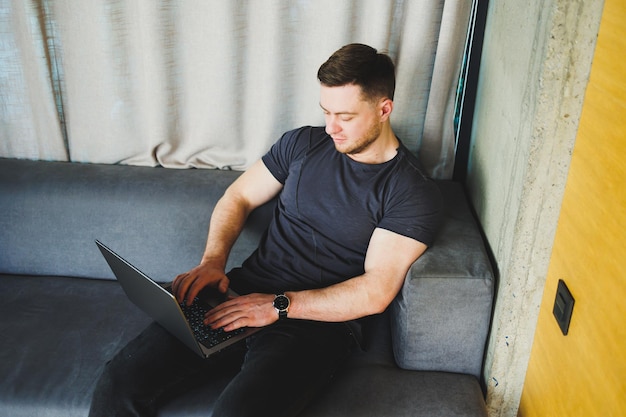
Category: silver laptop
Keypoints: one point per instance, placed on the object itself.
(159, 303)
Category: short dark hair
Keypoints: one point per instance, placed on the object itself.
(360, 65)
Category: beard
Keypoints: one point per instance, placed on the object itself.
(362, 143)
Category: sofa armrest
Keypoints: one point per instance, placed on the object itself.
(441, 317)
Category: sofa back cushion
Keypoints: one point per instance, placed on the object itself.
(156, 218)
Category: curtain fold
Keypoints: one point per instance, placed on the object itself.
(30, 126)
(211, 84)
(438, 140)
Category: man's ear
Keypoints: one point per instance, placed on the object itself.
(385, 107)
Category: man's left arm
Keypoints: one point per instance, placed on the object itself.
(388, 259)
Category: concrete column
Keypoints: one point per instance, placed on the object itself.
(535, 67)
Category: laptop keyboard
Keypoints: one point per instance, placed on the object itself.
(205, 334)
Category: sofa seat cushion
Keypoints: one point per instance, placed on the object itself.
(380, 390)
(58, 332)
(370, 390)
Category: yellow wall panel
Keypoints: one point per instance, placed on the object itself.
(584, 373)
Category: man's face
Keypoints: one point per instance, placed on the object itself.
(352, 122)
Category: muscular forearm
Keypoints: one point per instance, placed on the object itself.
(341, 302)
(355, 298)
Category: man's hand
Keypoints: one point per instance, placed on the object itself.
(186, 286)
(252, 310)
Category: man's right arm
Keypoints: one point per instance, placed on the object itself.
(252, 189)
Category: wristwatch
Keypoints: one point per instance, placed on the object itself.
(281, 305)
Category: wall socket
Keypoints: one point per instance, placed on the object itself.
(563, 307)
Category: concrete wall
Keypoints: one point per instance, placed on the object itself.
(535, 66)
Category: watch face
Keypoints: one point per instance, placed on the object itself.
(281, 302)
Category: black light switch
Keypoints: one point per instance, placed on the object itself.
(563, 306)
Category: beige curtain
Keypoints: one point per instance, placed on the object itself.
(198, 83)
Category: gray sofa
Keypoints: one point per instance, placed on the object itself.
(62, 315)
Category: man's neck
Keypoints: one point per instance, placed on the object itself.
(383, 149)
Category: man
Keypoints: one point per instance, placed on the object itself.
(354, 212)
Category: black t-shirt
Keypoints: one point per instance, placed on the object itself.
(328, 210)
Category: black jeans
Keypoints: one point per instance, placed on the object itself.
(281, 368)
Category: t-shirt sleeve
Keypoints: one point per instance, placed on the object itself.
(288, 148)
(415, 212)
